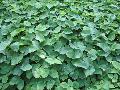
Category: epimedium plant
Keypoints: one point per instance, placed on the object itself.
(59, 45)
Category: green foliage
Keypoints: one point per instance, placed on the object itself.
(59, 45)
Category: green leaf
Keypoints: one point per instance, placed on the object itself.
(16, 58)
(59, 88)
(82, 63)
(89, 71)
(67, 31)
(116, 64)
(92, 53)
(40, 72)
(115, 46)
(58, 46)
(70, 88)
(64, 85)
(26, 67)
(63, 50)
(92, 28)
(38, 85)
(41, 27)
(54, 73)
(104, 46)
(14, 80)
(16, 32)
(53, 61)
(29, 74)
(4, 44)
(50, 84)
(1, 84)
(15, 46)
(27, 23)
(20, 85)
(76, 84)
(5, 86)
(78, 45)
(68, 22)
(5, 69)
(44, 72)
(17, 71)
(35, 71)
(41, 54)
(70, 83)
(39, 36)
(111, 36)
(74, 54)
(32, 48)
(38, 5)
(4, 79)
(57, 29)
(2, 58)
(86, 31)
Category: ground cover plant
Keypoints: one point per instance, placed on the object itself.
(59, 45)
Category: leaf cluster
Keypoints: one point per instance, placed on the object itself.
(59, 45)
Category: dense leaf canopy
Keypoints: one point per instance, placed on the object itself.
(59, 45)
